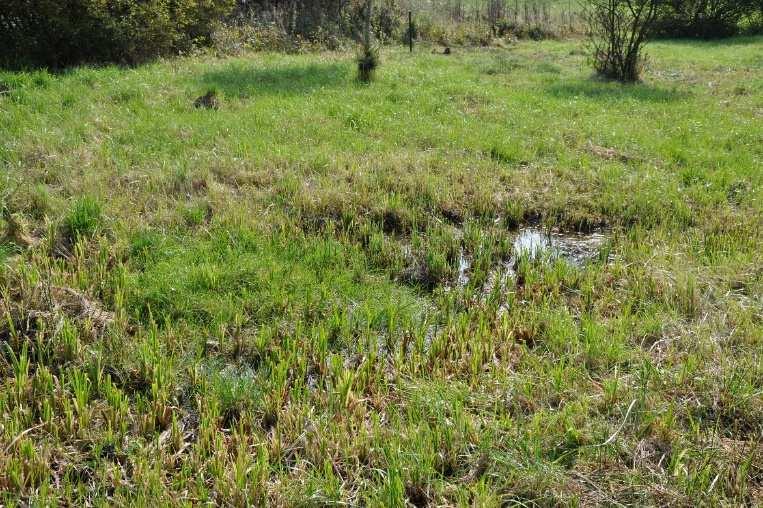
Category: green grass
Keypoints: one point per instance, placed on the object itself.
(260, 304)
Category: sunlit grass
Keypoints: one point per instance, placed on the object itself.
(312, 295)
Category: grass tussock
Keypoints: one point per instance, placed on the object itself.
(368, 61)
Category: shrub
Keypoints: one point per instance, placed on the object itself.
(617, 31)
(753, 24)
(539, 32)
(56, 33)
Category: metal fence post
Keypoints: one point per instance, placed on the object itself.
(410, 30)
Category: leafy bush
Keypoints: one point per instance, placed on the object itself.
(704, 18)
(617, 31)
(55, 33)
(753, 24)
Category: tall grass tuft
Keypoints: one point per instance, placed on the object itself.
(83, 219)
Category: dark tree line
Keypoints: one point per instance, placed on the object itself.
(704, 18)
(56, 33)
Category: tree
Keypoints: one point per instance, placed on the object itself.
(617, 32)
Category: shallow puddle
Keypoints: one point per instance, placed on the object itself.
(537, 245)
(532, 244)
(463, 269)
(577, 249)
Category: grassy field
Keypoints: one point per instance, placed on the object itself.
(313, 295)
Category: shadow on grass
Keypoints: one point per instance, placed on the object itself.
(739, 40)
(598, 89)
(247, 80)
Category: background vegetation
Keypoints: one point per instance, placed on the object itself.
(55, 34)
